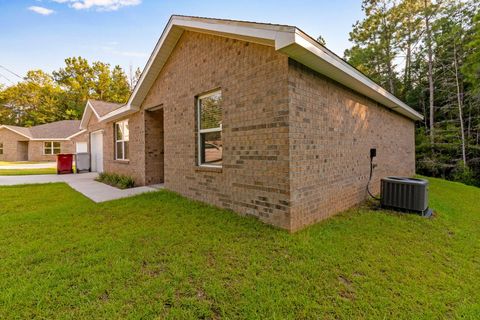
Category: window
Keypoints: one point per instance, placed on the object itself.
(1, 147)
(209, 126)
(51, 147)
(121, 140)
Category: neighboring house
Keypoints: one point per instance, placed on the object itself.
(257, 118)
(94, 110)
(42, 142)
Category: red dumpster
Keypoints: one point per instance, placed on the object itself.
(64, 163)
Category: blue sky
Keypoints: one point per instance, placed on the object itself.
(40, 34)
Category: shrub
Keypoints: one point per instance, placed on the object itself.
(463, 173)
(116, 180)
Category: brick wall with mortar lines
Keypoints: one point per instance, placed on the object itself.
(253, 80)
(135, 166)
(332, 130)
(35, 150)
(154, 152)
(10, 140)
(80, 138)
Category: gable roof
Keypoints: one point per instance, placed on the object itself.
(18, 130)
(59, 130)
(102, 107)
(286, 39)
(98, 108)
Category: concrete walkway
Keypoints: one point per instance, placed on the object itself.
(84, 183)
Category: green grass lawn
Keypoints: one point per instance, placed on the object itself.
(24, 172)
(7, 163)
(159, 255)
(21, 172)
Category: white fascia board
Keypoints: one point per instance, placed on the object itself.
(307, 51)
(263, 34)
(76, 134)
(34, 139)
(289, 40)
(174, 29)
(49, 139)
(89, 109)
(17, 132)
(118, 113)
(131, 106)
(147, 68)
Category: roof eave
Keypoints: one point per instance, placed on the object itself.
(76, 134)
(87, 113)
(49, 139)
(15, 131)
(118, 113)
(289, 40)
(311, 54)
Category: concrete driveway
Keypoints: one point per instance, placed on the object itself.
(26, 165)
(84, 183)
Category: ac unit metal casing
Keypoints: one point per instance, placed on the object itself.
(408, 194)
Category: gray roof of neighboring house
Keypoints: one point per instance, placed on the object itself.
(22, 130)
(102, 107)
(49, 131)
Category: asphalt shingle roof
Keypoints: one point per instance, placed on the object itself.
(102, 107)
(50, 131)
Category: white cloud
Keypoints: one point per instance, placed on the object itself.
(99, 5)
(41, 10)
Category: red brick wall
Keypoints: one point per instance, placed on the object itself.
(253, 80)
(35, 150)
(135, 166)
(296, 144)
(12, 152)
(154, 147)
(84, 137)
(10, 141)
(332, 130)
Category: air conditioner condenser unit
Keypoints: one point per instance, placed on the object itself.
(405, 194)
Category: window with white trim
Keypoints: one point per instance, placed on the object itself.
(1, 147)
(209, 129)
(122, 136)
(51, 147)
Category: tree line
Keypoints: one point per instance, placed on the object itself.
(425, 52)
(42, 97)
(428, 54)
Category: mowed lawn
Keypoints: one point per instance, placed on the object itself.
(21, 172)
(27, 172)
(159, 255)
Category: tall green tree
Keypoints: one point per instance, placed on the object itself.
(375, 42)
(471, 67)
(119, 86)
(82, 81)
(42, 98)
(32, 101)
(433, 47)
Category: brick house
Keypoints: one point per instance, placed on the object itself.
(257, 118)
(42, 142)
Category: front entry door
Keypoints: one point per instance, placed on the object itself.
(96, 149)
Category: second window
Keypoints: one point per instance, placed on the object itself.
(209, 129)
(122, 136)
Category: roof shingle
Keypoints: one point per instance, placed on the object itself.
(49, 131)
(102, 107)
